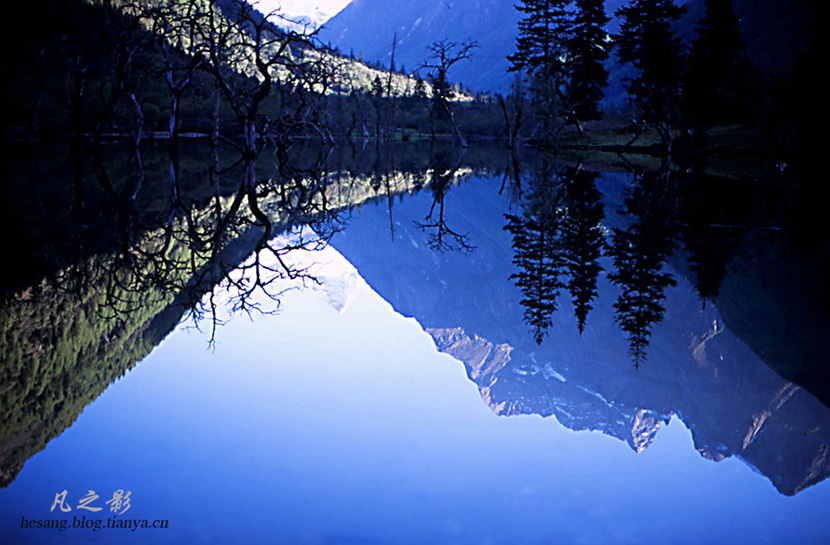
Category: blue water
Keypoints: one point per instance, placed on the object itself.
(321, 426)
(337, 421)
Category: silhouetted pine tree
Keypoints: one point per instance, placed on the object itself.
(420, 90)
(540, 53)
(719, 70)
(639, 253)
(588, 50)
(648, 41)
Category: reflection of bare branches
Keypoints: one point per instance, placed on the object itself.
(211, 260)
(443, 238)
(229, 255)
(256, 286)
(513, 173)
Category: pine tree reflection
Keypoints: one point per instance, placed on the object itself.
(584, 239)
(538, 249)
(557, 243)
(639, 253)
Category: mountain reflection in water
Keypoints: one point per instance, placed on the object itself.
(531, 350)
(606, 300)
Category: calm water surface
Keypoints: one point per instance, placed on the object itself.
(405, 400)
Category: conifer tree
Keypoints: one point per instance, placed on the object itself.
(648, 41)
(640, 252)
(377, 87)
(563, 52)
(587, 53)
(540, 53)
(718, 67)
(420, 90)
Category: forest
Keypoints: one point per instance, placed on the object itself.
(220, 70)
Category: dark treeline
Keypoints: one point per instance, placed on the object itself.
(716, 232)
(219, 70)
(90, 68)
(676, 88)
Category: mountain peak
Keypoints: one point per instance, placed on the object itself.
(299, 15)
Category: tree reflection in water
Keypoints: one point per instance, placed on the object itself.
(558, 241)
(88, 302)
(539, 248)
(711, 229)
(130, 260)
(442, 175)
(639, 253)
(190, 249)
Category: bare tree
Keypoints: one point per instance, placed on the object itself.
(445, 54)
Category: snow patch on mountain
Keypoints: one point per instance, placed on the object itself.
(300, 15)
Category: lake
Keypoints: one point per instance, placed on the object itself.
(416, 345)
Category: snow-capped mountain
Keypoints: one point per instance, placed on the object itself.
(299, 15)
